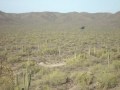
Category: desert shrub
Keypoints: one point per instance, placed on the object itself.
(84, 79)
(116, 56)
(76, 61)
(54, 78)
(42, 71)
(97, 68)
(3, 58)
(26, 63)
(50, 51)
(100, 53)
(116, 65)
(107, 80)
(105, 76)
(3, 53)
(35, 70)
(22, 53)
(6, 79)
(45, 87)
(6, 83)
(14, 59)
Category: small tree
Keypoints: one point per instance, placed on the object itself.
(83, 27)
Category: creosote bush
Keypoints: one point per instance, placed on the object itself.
(6, 78)
(107, 80)
(84, 79)
(76, 61)
(116, 65)
(50, 51)
(54, 78)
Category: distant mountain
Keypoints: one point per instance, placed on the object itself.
(72, 20)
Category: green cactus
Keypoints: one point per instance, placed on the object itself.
(26, 79)
(89, 51)
(27, 76)
(17, 83)
(108, 58)
(94, 50)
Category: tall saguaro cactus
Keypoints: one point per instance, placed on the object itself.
(17, 83)
(26, 79)
(108, 58)
(27, 76)
(89, 51)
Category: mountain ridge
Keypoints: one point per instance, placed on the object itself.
(67, 20)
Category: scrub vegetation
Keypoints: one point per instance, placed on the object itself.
(91, 60)
(58, 58)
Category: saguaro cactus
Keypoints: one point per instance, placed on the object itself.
(17, 83)
(27, 76)
(26, 79)
(89, 51)
(108, 59)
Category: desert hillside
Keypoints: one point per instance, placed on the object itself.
(59, 51)
(72, 20)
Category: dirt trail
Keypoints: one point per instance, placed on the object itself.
(52, 65)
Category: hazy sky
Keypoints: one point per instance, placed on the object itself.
(18, 6)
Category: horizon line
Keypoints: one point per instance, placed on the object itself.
(59, 12)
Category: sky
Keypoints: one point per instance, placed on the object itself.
(92, 6)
